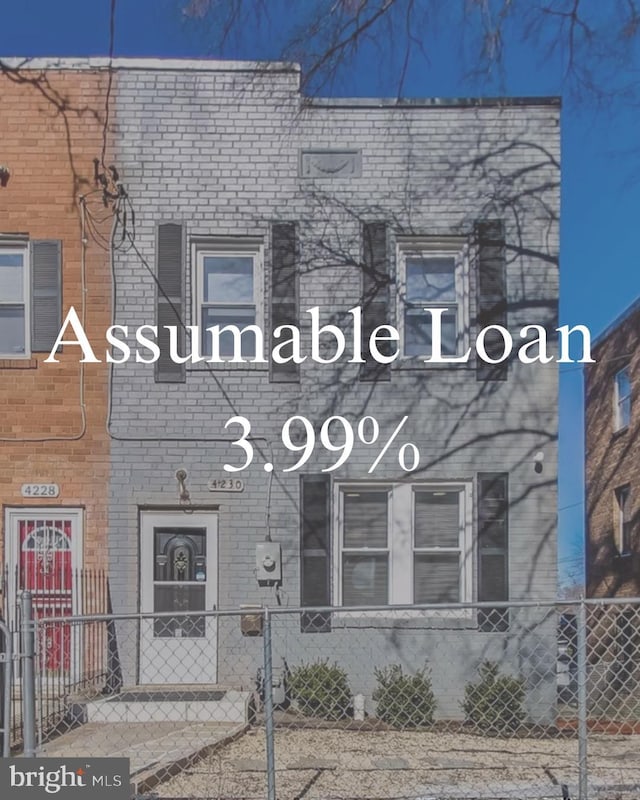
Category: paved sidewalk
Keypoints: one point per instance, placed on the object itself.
(155, 751)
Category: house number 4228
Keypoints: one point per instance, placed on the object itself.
(40, 490)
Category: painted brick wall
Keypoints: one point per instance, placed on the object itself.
(611, 461)
(50, 131)
(218, 151)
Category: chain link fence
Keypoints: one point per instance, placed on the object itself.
(527, 700)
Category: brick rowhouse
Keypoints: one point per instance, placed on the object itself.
(52, 426)
(612, 462)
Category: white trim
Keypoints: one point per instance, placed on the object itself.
(400, 544)
(21, 248)
(453, 247)
(179, 64)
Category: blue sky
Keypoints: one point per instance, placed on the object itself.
(600, 161)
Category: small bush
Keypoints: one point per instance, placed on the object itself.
(404, 701)
(321, 689)
(495, 702)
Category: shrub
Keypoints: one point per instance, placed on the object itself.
(495, 702)
(404, 701)
(321, 689)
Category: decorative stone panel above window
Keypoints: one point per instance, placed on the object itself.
(331, 163)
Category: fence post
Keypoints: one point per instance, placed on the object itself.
(6, 667)
(268, 707)
(583, 773)
(28, 647)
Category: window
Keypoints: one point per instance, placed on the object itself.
(228, 292)
(623, 520)
(180, 564)
(432, 277)
(403, 544)
(365, 548)
(437, 546)
(622, 399)
(14, 294)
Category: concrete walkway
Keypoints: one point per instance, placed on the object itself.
(155, 750)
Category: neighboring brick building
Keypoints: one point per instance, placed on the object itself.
(52, 426)
(254, 204)
(612, 460)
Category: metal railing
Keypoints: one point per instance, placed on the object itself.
(467, 700)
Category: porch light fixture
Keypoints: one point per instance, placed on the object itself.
(183, 492)
(5, 174)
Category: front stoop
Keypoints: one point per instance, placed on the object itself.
(158, 705)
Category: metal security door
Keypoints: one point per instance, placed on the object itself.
(44, 558)
(178, 573)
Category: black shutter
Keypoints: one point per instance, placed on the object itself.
(46, 294)
(315, 552)
(375, 297)
(493, 549)
(492, 296)
(284, 292)
(170, 300)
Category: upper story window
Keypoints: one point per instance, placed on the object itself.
(623, 521)
(228, 292)
(432, 275)
(14, 306)
(622, 400)
(404, 544)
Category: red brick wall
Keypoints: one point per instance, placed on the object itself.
(50, 132)
(612, 460)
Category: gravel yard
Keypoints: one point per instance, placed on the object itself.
(322, 763)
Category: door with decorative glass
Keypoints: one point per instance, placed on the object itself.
(178, 576)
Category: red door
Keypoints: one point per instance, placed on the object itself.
(46, 572)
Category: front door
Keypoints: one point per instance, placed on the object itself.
(44, 555)
(178, 573)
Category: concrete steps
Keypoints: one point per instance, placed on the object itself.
(141, 704)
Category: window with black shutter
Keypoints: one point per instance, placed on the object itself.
(30, 295)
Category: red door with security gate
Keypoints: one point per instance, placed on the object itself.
(46, 570)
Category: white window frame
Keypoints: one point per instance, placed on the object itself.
(618, 423)
(400, 544)
(456, 248)
(620, 508)
(21, 248)
(229, 248)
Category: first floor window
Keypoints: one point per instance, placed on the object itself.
(365, 553)
(623, 519)
(438, 539)
(403, 544)
(228, 282)
(14, 291)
